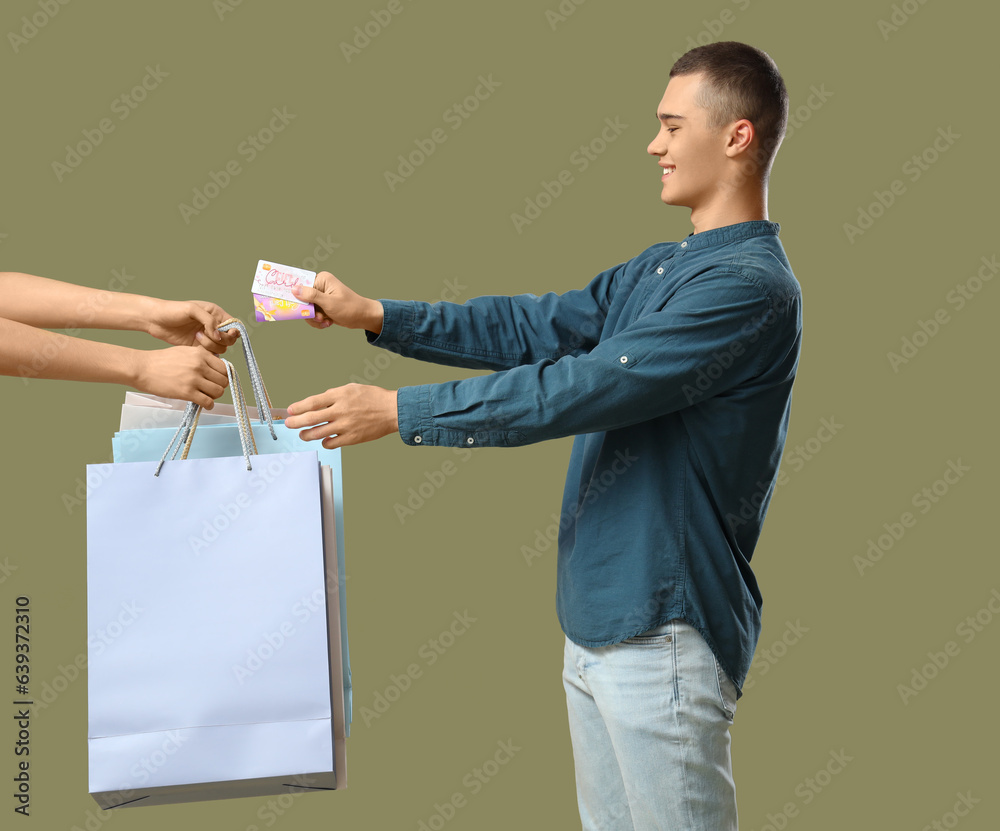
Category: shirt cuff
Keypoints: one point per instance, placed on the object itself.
(397, 326)
(417, 425)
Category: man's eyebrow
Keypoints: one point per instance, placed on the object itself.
(665, 116)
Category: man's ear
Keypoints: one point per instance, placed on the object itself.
(740, 136)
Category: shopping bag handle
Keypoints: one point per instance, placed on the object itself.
(260, 396)
(182, 438)
(184, 435)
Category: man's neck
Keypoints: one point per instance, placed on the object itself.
(740, 207)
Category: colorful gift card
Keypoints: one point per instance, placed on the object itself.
(272, 292)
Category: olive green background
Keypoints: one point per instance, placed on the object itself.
(447, 228)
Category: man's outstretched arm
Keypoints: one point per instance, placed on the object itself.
(491, 332)
(650, 368)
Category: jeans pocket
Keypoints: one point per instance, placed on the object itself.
(651, 637)
(727, 691)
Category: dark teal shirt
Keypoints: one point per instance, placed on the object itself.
(674, 371)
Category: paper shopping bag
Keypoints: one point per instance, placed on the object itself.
(221, 684)
(337, 661)
(142, 410)
(214, 440)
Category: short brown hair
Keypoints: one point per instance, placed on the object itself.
(741, 82)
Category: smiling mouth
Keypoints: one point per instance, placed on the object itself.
(667, 173)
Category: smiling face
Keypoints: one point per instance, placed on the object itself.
(696, 162)
(692, 156)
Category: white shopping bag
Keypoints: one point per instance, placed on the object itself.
(220, 685)
(142, 411)
(228, 679)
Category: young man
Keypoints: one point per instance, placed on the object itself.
(674, 371)
(189, 370)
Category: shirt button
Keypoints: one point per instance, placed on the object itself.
(417, 439)
(470, 440)
(624, 359)
(684, 245)
(659, 271)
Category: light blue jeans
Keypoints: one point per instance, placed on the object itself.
(649, 720)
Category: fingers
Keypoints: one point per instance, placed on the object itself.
(321, 431)
(211, 345)
(318, 322)
(215, 372)
(306, 294)
(211, 316)
(306, 412)
(203, 313)
(211, 380)
(228, 337)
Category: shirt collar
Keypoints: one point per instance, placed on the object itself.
(731, 233)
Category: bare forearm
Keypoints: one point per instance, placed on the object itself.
(34, 353)
(51, 304)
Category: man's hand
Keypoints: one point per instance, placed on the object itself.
(191, 323)
(336, 303)
(345, 415)
(186, 372)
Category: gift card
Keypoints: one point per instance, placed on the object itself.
(272, 292)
